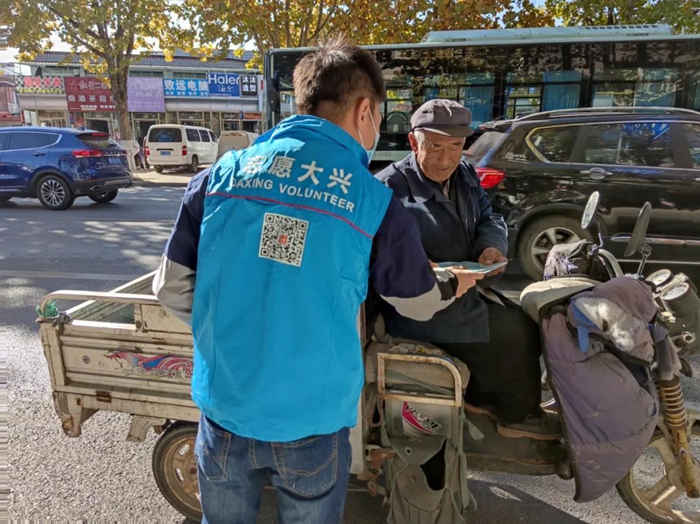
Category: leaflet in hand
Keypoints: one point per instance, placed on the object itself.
(473, 266)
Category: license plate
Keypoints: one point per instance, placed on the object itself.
(165, 153)
(114, 161)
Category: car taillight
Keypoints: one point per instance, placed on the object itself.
(146, 151)
(184, 150)
(490, 177)
(87, 153)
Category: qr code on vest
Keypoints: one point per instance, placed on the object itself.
(283, 239)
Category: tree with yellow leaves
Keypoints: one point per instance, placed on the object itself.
(214, 26)
(104, 34)
(682, 15)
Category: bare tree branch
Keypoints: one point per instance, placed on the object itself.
(322, 25)
(288, 27)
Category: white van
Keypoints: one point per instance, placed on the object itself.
(235, 140)
(172, 146)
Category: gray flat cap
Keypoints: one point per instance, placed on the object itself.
(444, 117)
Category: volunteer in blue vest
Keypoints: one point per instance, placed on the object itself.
(269, 262)
(501, 345)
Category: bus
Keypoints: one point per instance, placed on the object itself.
(509, 73)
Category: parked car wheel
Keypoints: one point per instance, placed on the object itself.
(175, 469)
(158, 169)
(194, 166)
(540, 236)
(104, 198)
(54, 193)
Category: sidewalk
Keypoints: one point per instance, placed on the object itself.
(167, 178)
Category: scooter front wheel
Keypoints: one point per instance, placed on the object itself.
(654, 487)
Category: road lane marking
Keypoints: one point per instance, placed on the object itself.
(11, 273)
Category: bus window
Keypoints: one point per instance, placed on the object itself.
(693, 91)
(478, 96)
(640, 87)
(562, 90)
(613, 95)
(657, 88)
(523, 100)
(479, 100)
(397, 110)
(288, 106)
(442, 86)
(475, 91)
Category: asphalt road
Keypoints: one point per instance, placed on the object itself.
(102, 477)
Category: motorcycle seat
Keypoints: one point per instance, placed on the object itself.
(539, 296)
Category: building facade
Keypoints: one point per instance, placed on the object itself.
(10, 114)
(56, 91)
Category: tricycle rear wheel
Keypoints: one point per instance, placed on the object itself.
(175, 469)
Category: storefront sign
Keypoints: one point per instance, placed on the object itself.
(249, 85)
(191, 116)
(47, 85)
(252, 116)
(224, 84)
(145, 95)
(88, 94)
(185, 87)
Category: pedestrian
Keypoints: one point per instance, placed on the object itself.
(269, 261)
(138, 158)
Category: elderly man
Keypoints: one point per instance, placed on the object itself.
(500, 344)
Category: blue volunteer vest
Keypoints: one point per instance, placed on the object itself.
(282, 270)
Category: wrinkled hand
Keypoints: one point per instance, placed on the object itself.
(491, 255)
(465, 279)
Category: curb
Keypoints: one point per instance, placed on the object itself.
(139, 181)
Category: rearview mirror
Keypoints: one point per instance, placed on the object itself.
(591, 210)
(636, 243)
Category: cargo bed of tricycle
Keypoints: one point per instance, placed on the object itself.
(122, 351)
(119, 351)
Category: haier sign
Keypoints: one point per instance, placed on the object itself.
(224, 84)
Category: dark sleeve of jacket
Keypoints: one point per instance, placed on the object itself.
(491, 229)
(400, 270)
(173, 283)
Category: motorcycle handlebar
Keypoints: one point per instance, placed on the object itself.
(611, 262)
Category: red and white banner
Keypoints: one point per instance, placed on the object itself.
(88, 94)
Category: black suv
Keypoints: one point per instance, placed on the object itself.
(544, 166)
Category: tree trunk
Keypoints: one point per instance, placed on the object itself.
(118, 80)
(611, 16)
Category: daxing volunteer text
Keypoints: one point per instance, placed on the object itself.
(283, 167)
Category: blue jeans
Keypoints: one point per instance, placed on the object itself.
(311, 476)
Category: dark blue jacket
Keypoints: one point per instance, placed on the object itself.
(450, 233)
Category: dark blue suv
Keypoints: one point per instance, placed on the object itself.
(57, 165)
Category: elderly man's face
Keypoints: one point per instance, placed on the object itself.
(438, 155)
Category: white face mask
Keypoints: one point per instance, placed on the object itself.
(377, 135)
